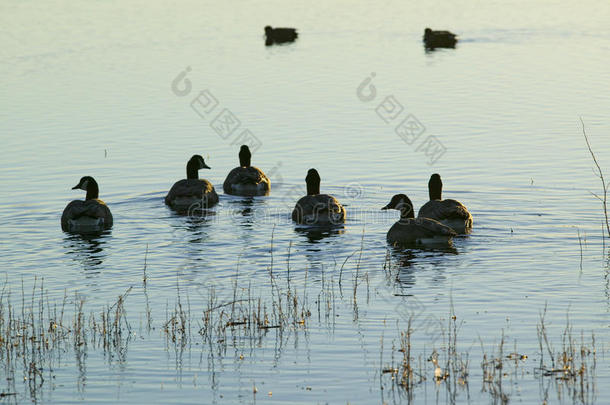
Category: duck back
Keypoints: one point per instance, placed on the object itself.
(86, 216)
(319, 209)
(247, 181)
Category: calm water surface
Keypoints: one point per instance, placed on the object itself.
(87, 90)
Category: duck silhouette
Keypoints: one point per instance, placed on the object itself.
(280, 35)
(439, 39)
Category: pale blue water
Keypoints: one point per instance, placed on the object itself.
(87, 90)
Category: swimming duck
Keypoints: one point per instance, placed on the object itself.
(418, 231)
(316, 208)
(246, 180)
(89, 216)
(439, 39)
(448, 212)
(192, 192)
(280, 35)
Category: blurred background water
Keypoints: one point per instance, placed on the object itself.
(87, 90)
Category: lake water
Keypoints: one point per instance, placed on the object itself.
(93, 88)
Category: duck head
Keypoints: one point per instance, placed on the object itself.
(268, 30)
(245, 156)
(88, 184)
(194, 164)
(313, 182)
(435, 187)
(401, 203)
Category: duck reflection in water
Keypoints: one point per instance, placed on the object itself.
(192, 227)
(87, 250)
(399, 267)
(403, 264)
(197, 228)
(246, 211)
(247, 214)
(317, 234)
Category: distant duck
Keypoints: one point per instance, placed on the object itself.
(315, 208)
(439, 39)
(246, 180)
(89, 216)
(192, 192)
(280, 35)
(415, 231)
(448, 212)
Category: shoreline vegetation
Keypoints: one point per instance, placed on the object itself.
(36, 333)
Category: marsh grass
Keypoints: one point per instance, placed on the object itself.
(571, 368)
(457, 362)
(450, 366)
(494, 372)
(35, 334)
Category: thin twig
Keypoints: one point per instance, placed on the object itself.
(599, 174)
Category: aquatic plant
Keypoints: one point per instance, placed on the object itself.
(603, 198)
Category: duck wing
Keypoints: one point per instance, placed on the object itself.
(444, 209)
(421, 228)
(444, 34)
(318, 208)
(244, 175)
(94, 208)
(196, 188)
(440, 39)
(431, 227)
(284, 34)
(415, 230)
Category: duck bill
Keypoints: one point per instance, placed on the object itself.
(387, 207)
(205, 166)
(76, 187)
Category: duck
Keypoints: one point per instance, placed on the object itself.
(449, 212)
(246, 180)
(192, 192)
(315, 208)
(439, 39)
(89, 216)
(415, 231)
(280, 35)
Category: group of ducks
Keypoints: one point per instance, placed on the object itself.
(437, 221)
(432, 38)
